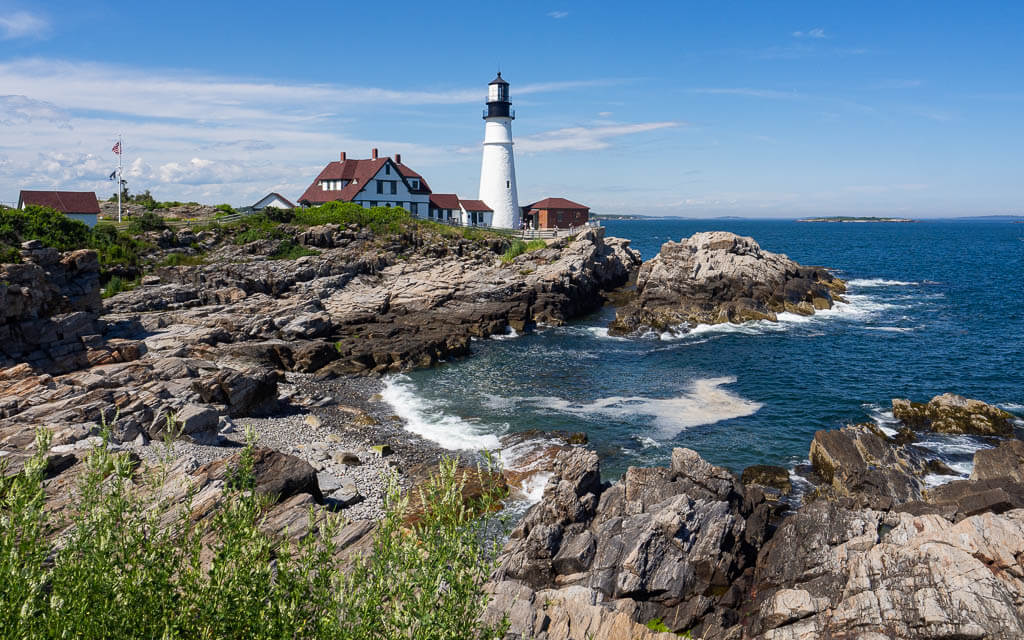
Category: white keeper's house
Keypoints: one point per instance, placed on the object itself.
(373, 182)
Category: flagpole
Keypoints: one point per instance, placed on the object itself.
(120, 152)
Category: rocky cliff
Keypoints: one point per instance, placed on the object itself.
(716, 277)
(873, 553)
(197, 345)
(49, 304)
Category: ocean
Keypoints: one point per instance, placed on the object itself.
(932, 307)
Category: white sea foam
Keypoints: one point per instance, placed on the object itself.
(954, 445)
(704, 403)
(936, 479)
(602, 333)
(509, 334)
(1012, 407)
(879, 282)
(645, 441)
(430, 421)
(533, 486)
(891, 329)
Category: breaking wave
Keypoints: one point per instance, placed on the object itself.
(426, 419)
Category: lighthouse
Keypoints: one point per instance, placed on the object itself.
(498, 171)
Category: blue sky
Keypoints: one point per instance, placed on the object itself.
(680, 108)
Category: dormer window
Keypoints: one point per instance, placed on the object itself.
(415, 184)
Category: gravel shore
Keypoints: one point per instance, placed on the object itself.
(331, 424)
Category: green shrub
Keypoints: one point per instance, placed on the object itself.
(380, 220)
(146, 221)
(50, 226)
(128, 568)
(284, 216)
(117, 285)
(517, 249)
(534, 245)
(182, 259)
(226, 208)
(115, 247)
(290, 250)
(9, 255)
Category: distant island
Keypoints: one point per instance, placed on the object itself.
(854, 219)
(613, 216)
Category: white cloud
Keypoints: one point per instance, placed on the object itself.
(22, 24)
(817, 33)
(584, 138)
(557, 15)
(18, 110)
(209, 138)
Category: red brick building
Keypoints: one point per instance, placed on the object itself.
(555, 213)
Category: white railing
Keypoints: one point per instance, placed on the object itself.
(526, 234)
(181, 223)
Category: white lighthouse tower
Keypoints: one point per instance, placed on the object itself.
(498, 172)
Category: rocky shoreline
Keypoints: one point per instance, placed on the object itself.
(293, 351)
(870, 553)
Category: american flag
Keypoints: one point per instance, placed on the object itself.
(117, 147)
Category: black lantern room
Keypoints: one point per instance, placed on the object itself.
(498, 105)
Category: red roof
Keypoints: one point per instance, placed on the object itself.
(444, 200)
(63, 201)
(474, 205)
(557, 203)
(359, 172)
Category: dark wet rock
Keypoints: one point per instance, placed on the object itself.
(715, 277)
(1005, 461)
(246, 393)
(952, 413)
(767, 476)
(274, 473)
(860, 462)
(671, 543)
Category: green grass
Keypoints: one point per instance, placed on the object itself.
(182, 259)
(129, 568)
(519, 247)
(117, 285)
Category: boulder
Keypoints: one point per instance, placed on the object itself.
(767, 476)
(1005, 461)
(274, 473)
(251, 392)
(860, 462)
(952, 413)
(198, 422)
(715, 277)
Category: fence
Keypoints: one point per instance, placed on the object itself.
(529, 234)
(181, 223)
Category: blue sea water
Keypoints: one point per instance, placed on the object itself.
(932, 307)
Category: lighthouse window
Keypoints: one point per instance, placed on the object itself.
(508, 184)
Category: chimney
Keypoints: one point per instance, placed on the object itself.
(373, 153)
(398, 158)
(343, 156)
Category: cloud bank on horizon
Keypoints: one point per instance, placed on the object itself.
(774, 112)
